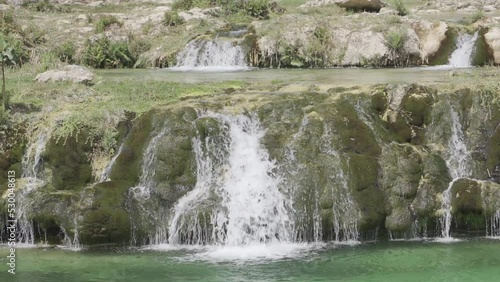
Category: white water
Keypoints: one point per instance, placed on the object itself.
(211, 55)
(462, 56)
(31, 163)
(251, 209)
(493, 226)
(107, 170)
(146, 181)
(459, 165)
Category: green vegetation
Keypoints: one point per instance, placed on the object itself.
(395, 39)
(475, 17)
(104, 53)
(172, 18)
(253, 8)
(46, 7)
(6, 53)
(400, 7)
(106, 21)
(66, 52)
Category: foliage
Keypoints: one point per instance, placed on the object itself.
(400, 7)
(66, 52)
(395, 39)
(106, 21)
(6, 56)
(475, 17)
(172, 18)
(7, 22)
(253, 8)
(104, 53)
(32, 36)
(46, 6)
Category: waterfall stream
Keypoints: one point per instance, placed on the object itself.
(31, 167)
(462, 56)
(217, 55)
(250, 209)
(459, 165)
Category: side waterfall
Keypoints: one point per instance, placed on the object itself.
(250, 209)
(31, 167)
(217, 54)
(462, 56)
(459, 165)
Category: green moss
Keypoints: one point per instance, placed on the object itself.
(447, 47)
(466, 197)
(482, 54)
(107, 221)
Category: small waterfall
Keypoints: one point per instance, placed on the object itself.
(140, 194)
(31, 166)
(107, 170)
(459, 165)
(146, 181)
(217, 54)
(345, 210)
(250, 208)
(493, 225)
(462, 56)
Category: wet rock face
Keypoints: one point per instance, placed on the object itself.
(492, 38)
(351, 162)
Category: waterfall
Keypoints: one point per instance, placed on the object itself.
(107, 170)
(462, 56)
(31, 168)
(217, 54)
(493, 225)
(459, 165)
(345, 210)
(250, 208)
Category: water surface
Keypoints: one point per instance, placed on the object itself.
(473, 260)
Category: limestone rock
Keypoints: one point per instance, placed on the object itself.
(73, 73)
(492, 38)
(432, 36)
(362, 5)
(368, 5)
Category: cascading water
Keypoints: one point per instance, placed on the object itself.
(31, 166)
(217, 54)
(493, 225)
(345, 210)
(251, 209)
(141, 193)
(459, 165)
(107, 170)
(462, 56)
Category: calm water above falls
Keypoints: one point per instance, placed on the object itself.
(391, 261)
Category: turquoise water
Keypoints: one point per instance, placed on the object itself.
(476, 260)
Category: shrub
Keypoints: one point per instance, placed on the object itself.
(106, 21)
(8, 23)
(104, 53)
(66, 52)
(400, 7)
(395, 39)
(253, 8)
(476, 16)
(172, 18)
(46, 6)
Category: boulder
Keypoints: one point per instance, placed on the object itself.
(359, 5)
(363, 5)
(73, 73)
(492, 38)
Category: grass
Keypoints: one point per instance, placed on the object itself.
(97, 108)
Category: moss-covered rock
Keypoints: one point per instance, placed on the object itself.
(466, 197)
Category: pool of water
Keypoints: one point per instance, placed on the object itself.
(340, 76)
(472, 260)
